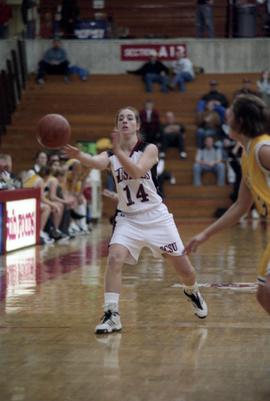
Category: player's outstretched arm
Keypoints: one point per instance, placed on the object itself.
(231, 217)
(99, 162)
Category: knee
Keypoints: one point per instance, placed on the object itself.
(115, 261)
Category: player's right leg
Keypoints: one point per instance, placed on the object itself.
(187, 275)
(110, 321)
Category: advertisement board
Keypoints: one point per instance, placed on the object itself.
(21, 220)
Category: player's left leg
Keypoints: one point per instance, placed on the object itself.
(263, 292)
(187, 275)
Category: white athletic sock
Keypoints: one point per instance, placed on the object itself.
(191, 288)
(111, 301)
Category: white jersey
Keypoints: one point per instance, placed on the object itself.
(135, 195)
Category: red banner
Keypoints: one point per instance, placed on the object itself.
(142, 52)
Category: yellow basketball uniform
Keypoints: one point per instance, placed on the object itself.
(81, 174)
(257, 178)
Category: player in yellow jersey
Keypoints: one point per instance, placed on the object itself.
(248, 119)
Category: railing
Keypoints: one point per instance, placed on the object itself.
(12, 83)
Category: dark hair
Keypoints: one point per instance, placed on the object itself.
(251, 116)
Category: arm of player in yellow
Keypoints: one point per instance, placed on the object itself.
(231, 217)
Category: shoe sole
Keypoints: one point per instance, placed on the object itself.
(107, 331)
(200, 317)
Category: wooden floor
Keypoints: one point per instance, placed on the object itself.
(51, 299)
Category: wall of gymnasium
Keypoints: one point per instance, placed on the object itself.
(104, 56)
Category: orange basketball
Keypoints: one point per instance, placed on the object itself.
(53, 131)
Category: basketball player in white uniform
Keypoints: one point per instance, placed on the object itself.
(142, 219)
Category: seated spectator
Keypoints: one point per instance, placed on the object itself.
(263, 85)
(30, 179)
(173, 135)
(163, 175)
(150, 124)
(8, 180)
(54, 61)
(57, 204)
(153, 71)
(41, 160)
(5, 17)
(182, 69)
(29, 17)
(213, 94)
(76, 178)
(208, 159)
(105, 145)
(246, 88)
(209, 124)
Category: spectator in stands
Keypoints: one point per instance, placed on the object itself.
(57, 204)
(153, 71)
(29, 15)
(163, 174)
(54, 61)
(5, 17)
(204, 18)
(208, 159)
(209, 124)
(263, 85)
(76, 178)
(8, 180)
(69, 14)
(47, 26)
(173, 135)
(213, 94)
(246, 89)
(31, 179)
(150, 124)
(182, 69)
(41, 160)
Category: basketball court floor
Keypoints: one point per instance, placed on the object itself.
(51, 300)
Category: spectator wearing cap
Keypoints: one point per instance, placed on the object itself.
(213, 94)
(246, 89)
(183, 71)
(153, 71)
(204, 18)
(263, 85)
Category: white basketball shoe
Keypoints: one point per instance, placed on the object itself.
(110, 322)
(198, 303)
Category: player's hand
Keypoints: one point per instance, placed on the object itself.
(71, 152)
(195, 242)
(116, 141)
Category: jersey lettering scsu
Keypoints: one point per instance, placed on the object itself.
(135, 195)
(255, 175)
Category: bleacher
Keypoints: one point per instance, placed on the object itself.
(156, 18)
(90, 106)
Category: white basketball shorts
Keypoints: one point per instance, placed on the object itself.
(154, 229)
